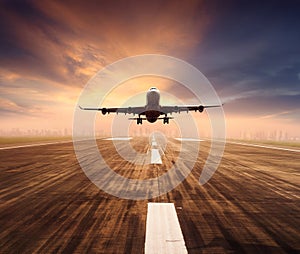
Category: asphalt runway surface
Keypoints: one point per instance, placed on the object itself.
(48, 205)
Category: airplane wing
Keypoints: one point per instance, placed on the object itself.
(129, 110)
(178, 109)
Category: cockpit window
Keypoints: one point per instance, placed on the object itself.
(153, 88)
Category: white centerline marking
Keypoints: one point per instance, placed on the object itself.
(154, 143)
(33, 145)
(155, 157)
(263, 146)
(163, 232)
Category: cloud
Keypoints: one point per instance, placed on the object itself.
(277, 92)
(50, 49)
(69, 41)
(33, 97)
(276, 115)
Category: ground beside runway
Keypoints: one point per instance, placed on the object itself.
(47, 204)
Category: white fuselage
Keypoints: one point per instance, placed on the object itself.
(152, 106)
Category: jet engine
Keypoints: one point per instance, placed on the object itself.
(104, 111)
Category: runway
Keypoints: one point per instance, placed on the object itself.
(48, 205)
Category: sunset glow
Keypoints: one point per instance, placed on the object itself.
(50, 49)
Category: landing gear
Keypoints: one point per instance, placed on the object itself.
(139, 120)
(166, 120)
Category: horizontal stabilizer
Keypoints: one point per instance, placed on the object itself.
(168, 117)
(135, 118)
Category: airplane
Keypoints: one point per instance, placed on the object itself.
(152, 110)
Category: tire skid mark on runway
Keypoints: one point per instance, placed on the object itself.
(273, 160)
(266, 179)
(265, 199)
(233, 212)
(257, 217)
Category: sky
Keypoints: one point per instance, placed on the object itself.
(248, 50)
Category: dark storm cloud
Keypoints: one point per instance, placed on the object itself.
(30, 41)
(251, 49)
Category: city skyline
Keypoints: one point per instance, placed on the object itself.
(276, 135)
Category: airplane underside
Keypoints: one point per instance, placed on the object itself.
(152, 116)
(152, 120)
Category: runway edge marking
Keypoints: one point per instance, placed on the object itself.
(33, 145)
(263, 146)
(163, 232)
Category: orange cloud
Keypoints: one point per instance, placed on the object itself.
(61, 45)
